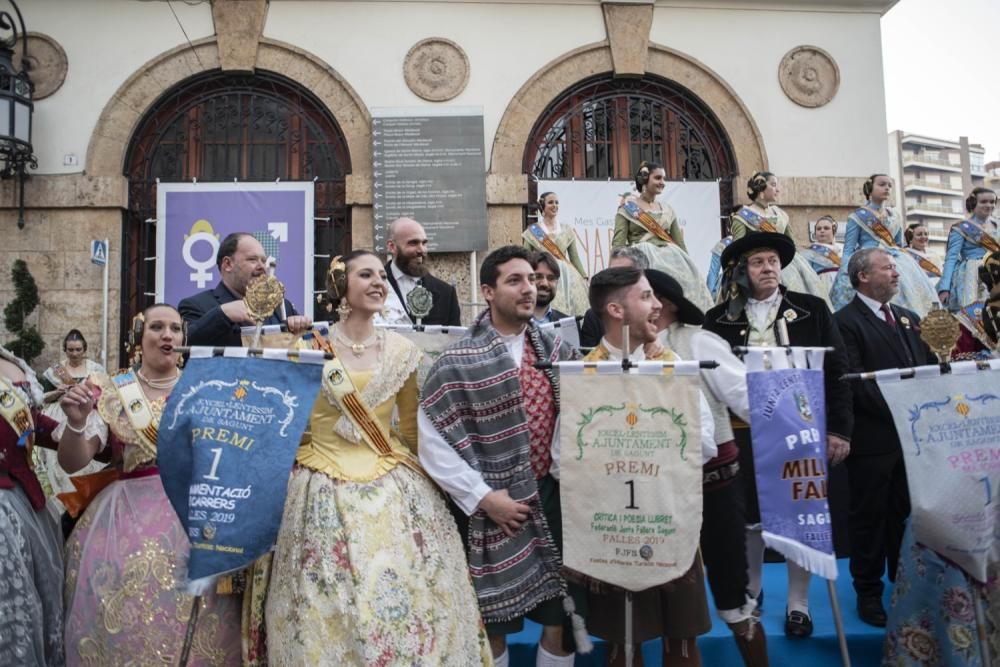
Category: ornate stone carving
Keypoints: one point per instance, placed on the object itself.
(47, 63)
(436, 69)
(809, 76)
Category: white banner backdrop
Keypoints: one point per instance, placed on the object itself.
(589, 207)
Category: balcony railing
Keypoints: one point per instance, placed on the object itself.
(937, 208)
(917, 157)
(915, 182)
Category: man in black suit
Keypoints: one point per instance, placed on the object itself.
(407, 269)
(749, 317)
(215, 316)
(546, 283)
(878, 335)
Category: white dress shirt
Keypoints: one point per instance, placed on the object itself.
(759, 312)
(464, 484)
(728, 381)
(709, 450)
(874, 304)
(395, 308)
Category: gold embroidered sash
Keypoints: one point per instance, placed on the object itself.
(873, 224)
(975, 233)
(17, 414)
(546, 241)
(137, 411)
(647, 221)
(340, 387)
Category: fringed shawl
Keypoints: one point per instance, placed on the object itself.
(473, 397)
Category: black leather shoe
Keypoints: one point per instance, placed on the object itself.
(871, 611)
(798, 624)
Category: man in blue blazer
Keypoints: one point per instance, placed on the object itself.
(215, 316)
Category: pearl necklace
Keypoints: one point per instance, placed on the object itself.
(159, 383)
(357, 348)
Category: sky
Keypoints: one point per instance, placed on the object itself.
(941, 62)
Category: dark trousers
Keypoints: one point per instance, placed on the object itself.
(880, 503)
(724, 543)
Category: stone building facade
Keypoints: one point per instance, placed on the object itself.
(735, 86)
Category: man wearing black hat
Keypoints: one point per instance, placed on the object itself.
(723, 542)
(754, 303)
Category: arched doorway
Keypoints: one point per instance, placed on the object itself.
(220, 126)
(604, 127)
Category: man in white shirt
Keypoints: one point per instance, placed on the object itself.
(489, 435)
(408, 270)
(678, 612)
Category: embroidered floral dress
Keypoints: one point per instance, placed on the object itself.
(571, 294)
(671, 257)
(369, 568)
(932, 620)
(915, 290)
(54, 479)
(799, 275)
(124, 564)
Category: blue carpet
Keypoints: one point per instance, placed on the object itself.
(718, 649)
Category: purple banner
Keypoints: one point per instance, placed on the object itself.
(192, 220)
(788, 427)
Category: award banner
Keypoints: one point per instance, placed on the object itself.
(788, 431)
(630, 472)
(227, 441)
(949, 429)
(433, 339)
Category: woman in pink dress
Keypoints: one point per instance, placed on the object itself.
(125, 557)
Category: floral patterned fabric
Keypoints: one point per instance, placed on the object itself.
(370, 573)
(933, 619)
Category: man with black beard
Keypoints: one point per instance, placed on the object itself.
(546, 283)
(407, 270)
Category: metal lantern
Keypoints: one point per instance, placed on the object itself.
(16, 105)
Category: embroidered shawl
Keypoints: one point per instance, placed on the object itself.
(473, 397)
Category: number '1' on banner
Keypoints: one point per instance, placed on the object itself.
(227, 442)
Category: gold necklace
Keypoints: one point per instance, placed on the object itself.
(357, 348)
(159, 383)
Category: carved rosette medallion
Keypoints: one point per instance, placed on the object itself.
(809, 76)
(47, 63)
(436, 69)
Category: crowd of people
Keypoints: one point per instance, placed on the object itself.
(431, 536)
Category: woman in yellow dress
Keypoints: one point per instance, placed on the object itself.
(369, 568)
(762, 214)
(560, 242)
(653, 228)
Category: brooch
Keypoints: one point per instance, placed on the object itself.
(905, 321)
(790, 315)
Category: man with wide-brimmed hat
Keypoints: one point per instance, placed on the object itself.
(723, 543)
(754, 302)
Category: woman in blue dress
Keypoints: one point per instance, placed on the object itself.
(968, 243)
(875, 225)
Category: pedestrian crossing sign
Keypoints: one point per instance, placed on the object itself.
(99, 252)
